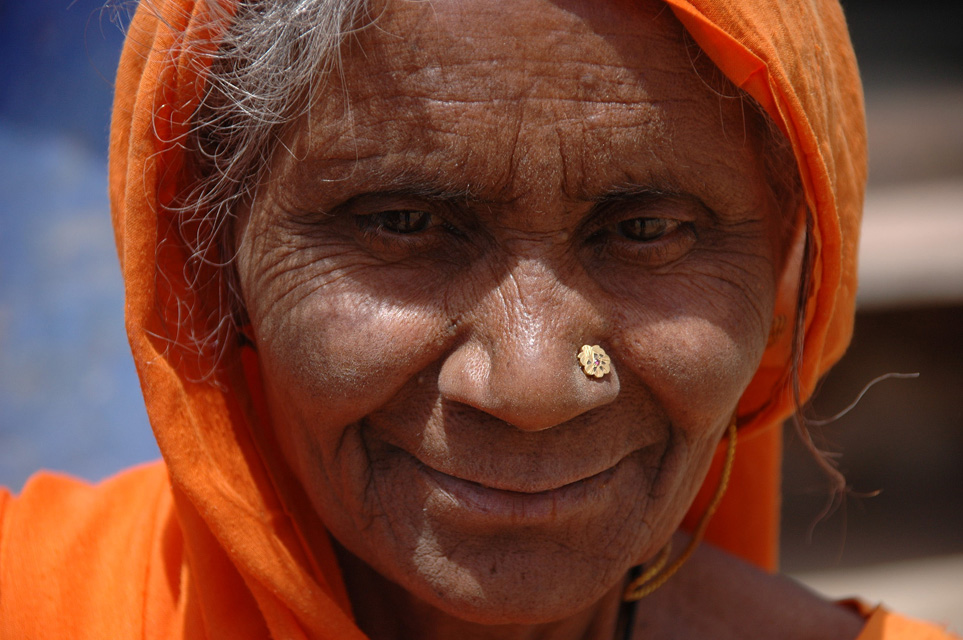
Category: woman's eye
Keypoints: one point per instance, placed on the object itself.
(399, 233)
(403, 221)
(647, 241)
(647, 229)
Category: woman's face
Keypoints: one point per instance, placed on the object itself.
(476, 196)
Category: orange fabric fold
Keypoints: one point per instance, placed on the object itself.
(796, 61)
(91, 562)
(202, 546)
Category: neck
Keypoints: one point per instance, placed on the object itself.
(386, 611)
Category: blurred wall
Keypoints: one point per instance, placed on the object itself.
(59, 59)
(69, 396)
(905, 438)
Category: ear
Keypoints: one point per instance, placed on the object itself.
(780, 343)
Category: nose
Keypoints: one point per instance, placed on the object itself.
(519, 359)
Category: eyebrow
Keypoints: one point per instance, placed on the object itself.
(405, 181)
(430, 186)
(420, 189)
(625, 192)
(430, 191)
(650, 193)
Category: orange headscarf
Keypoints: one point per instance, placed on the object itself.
(212, 552)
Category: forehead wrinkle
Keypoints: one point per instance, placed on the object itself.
(379, 123)
(409, 173)
(451, 171)
(608, 30)
(558, 66)
(601, 56)
(397, 174)
(482, 81)
(552, 134)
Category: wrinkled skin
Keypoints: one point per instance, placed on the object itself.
(478, 196)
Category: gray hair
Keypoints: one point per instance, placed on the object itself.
(271, 57)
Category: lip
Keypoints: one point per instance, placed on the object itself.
(522, 507)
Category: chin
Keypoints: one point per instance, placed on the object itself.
(519, 597)
(517, 580)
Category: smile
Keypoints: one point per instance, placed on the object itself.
(521, 506)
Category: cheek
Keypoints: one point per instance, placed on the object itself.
(697, 351)
(696, 368)
(336, 355)
(330, 354)
(695, 360)
(332, 344)
(331, 351)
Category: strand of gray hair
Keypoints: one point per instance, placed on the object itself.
(272, 57)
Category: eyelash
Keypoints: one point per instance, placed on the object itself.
(377, 231)
(669, 226)
(665, 247)
(384, 220)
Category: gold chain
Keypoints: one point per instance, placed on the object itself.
(654, 576)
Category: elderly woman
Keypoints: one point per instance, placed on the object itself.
(445, 311)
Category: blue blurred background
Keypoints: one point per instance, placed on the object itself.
(70, 400)
(69, 396)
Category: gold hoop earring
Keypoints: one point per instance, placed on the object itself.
(655, 576)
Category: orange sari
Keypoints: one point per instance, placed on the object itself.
(200, 546)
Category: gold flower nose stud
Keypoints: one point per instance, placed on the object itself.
(594, 360)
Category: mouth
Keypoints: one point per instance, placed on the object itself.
(529, 505)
